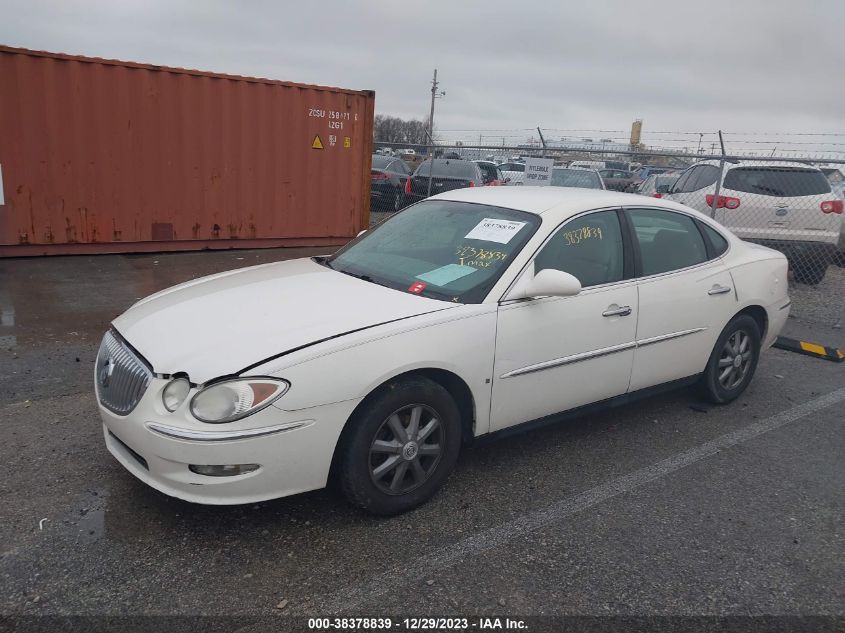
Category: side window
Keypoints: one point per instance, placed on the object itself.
(668, 240)
(706, 176)
(686, 179)
(719, 243)
(589, 247)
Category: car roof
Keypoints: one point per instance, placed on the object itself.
(757, 163)
(555, 203)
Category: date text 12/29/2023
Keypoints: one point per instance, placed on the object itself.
(417, 624)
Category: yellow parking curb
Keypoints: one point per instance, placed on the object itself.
(810, 349)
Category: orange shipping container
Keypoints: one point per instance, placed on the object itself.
(107, 156)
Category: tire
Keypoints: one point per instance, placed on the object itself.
(810, 274)
(719, 386)
(398, 200)
(383, 472)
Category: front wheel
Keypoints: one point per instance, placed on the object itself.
(733, 361)
(401, 448)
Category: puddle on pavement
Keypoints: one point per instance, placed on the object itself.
(52, 300)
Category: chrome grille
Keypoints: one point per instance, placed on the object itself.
(120, 377)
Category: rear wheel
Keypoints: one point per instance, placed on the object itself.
(809, 273)
(733, 361)
(398, 451)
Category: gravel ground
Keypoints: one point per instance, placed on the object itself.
(665, 507)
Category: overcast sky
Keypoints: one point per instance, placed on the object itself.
(740, 65)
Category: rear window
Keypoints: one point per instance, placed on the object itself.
(781, 182)
(380, 162)
(448, 169)
(719, 243)
(575, 178)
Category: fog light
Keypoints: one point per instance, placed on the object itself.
(227, 470)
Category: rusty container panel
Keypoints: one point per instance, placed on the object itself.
(107, 156)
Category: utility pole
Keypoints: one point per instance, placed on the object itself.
(434, 95)
(542, 140)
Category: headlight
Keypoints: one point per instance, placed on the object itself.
(235, 399)
(174, 394)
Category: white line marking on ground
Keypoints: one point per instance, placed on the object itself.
(357, 595)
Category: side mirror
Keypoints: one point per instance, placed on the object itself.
(361, 233)
(547, 283)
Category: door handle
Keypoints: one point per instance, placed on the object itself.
(719, 290)
(620, 311)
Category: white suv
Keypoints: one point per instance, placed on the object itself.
(785, 205)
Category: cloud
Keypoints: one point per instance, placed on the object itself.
(751, 65)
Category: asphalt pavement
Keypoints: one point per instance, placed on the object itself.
(665, 507)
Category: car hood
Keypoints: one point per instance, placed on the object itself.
(222, 324)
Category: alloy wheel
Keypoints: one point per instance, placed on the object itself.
(406, 449)
(735, 360)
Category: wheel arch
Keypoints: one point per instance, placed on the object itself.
(760, 316)
(450, 381)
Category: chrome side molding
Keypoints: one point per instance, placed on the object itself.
(598, 353)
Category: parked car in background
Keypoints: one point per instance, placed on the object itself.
(491, 173)
(476, 311)
(514, 172)
(647, 170)
(618, 179)
(581, 178)
(388, 180)
(836, 178)
(784, 205)
(618, 164)
(406, 152)
(657, 185)
(588, 164)
(445, 174)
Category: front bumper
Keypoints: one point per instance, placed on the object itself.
(294, 450)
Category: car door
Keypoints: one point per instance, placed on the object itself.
(558, 353)
(686, 296)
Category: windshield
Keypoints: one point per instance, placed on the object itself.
(777, 181)
(441, 249)
(665, 179)
(489, 171)
(448, 168)
(575, 178)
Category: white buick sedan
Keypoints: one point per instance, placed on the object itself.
(470, 313)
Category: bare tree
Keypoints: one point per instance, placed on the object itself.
(397, 131)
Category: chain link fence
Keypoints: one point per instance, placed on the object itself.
(792, 205)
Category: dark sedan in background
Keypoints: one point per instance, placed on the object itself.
(388, 181)
(445, 174)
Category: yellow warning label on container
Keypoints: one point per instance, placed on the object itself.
(317, 143)
(347, 142)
